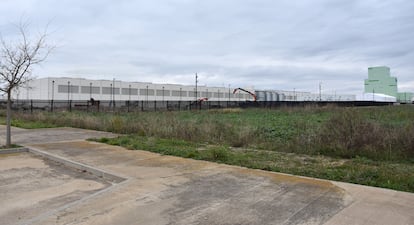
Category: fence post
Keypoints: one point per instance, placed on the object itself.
(70, 105)
(31, 106)
(142, 105)
(155, 105)
(128, 106)
(51, 107)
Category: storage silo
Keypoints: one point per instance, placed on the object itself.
(282, 97)
(269, 96)
(274, 96)
(261, 95)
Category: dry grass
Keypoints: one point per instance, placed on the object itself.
(380, 133)
(372, 146)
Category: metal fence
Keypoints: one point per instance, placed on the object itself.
(134, 106)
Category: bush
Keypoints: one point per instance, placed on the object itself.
(347, 134)
(219, 154)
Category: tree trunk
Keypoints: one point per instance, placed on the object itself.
(8, 120)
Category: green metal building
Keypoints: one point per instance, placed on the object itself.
(380, 81)
(405, 97)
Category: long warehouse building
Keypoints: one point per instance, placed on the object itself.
(79, 89)
(65, 88)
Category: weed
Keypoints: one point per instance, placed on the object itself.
(220, 154)
(378, 133)
(360, 170)
(359, 145)
(11, 146)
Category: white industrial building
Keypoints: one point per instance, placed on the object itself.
(80, 89)
(376, 97)
(299, 96)
(65, 88)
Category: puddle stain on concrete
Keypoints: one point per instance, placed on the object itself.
(31, 185)
(234, 198)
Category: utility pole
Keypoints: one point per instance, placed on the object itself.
(53, 94)
(147, 95)
(69, 103)
(68, 91)
(90, 90)
(373, 95)
(53, 89)
(294, 94)
(129, 93)
(163, 94)
(113, 96)
(320, 91)
(229, 92)
(129, 96)
(196, 82)
(228, 102)
(163, 102)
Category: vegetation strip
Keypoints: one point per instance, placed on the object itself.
(370, 145)
(358, 170)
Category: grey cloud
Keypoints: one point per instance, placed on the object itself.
(291, 44)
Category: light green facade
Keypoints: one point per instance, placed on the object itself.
(405, 97)
(380, 81)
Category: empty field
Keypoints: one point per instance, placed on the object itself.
(358, 145)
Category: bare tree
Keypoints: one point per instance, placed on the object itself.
(16, 61)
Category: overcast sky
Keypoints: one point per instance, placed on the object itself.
(268, 44)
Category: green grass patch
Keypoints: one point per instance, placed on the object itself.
(11, 146)
(28, 124)
(357, 170)
(32, 124)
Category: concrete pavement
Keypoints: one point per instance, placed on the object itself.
(32, 187)
(171, 190)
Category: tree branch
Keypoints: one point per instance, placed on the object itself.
(17, 59)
